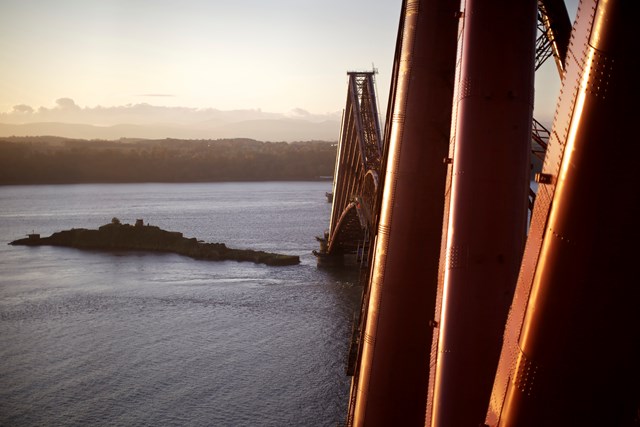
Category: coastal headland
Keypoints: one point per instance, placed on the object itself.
(117, 236)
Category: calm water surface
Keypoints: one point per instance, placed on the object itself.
(126, 339)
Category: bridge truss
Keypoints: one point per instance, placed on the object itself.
(356, 177)
(569, 265)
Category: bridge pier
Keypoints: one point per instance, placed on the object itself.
(326, 260)
(338, 258)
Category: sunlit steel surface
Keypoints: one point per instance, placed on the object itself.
(356, 174)
(487, 219)
(390, 385)
(355, 348)
(572, 342)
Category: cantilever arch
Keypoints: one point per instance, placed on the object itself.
(572, 343)
(487, 212)
(390, 386)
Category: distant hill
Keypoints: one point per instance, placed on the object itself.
(280, 129)
(56, 160)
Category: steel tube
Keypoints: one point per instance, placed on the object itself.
(391, 384)
(578, 341)
(488, 204)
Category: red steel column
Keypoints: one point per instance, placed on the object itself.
(391, 384)
(575, 360)
(488, 204)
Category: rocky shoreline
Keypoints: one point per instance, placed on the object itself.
(148, 238)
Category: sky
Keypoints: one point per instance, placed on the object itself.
(277, 56)
(273, 55)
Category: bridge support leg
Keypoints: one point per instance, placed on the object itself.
(486, 225)
(390, 385)
(571, 347)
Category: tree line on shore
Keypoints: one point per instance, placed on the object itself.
(54, 160)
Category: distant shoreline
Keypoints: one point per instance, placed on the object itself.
(169, 182)
(63, 161)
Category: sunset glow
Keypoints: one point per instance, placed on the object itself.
(274, 56)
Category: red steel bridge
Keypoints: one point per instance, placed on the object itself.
(486, 302)
(357, 174)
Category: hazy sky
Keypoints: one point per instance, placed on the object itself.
(274, 55)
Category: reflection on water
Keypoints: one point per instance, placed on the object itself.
(159, 339)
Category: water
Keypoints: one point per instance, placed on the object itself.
(127, 339)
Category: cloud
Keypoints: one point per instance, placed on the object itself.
(143, 120)
(22, 109)
(67, 111)
(66, 104)
(302, 114)
(298, 112)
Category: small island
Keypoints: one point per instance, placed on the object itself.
(140, 237)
